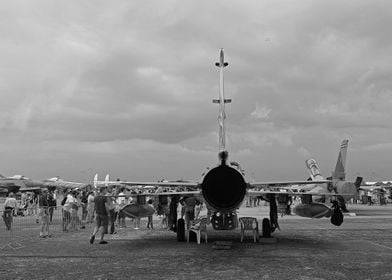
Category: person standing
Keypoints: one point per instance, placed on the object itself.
(83, 202)
(112, 212)
(52, 204)
(10, 205)
(66, 210)
(189, 208)
(102, 215)
(121, 201)
(150, 223)
(90, 207)
(73, 208)
(43, 213)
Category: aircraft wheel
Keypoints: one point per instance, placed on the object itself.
(266, 228)
(181, 230)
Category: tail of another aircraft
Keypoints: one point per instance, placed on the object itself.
(340, 169)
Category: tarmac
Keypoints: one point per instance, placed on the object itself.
(361, 248)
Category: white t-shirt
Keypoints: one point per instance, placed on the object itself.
(90, 199)
(67, 205)
(121, 199)
(10, 202)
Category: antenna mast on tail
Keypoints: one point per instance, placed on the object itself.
(223, 154)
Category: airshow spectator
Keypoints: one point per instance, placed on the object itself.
(112, 212)
(66, 210)
(102, 213)
(43, 213)
(52, 204)
(83, 202)
(90, 207)
(10, 205)
(190, 203)
(150, 220)
(121, 202)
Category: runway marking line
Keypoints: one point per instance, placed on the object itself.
(379, 245)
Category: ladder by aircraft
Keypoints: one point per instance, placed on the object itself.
(223, 188)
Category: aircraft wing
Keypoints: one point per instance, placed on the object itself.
(65, 184)
(158, 194)
(260, 193)
(286, 183)
(156, 184)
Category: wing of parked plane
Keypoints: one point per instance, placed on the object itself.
(60, 183)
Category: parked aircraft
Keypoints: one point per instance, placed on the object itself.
(224, 187)
(339, 185)
(19, 182)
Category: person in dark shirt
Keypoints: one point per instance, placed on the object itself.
(52, 205)
(102, 217)
(44, 213)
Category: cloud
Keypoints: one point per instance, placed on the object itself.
(301, 76)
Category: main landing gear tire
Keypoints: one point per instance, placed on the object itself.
(181, 230)
(266, 228)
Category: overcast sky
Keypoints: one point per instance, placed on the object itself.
(125, 87)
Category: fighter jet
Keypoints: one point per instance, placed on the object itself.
(223, 188)
(17, 183)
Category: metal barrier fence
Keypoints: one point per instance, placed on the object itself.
(26, 224)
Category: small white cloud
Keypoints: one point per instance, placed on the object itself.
(261, 113)
(303, 152)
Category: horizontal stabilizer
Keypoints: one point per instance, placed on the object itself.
(218, 101)
(258, 193)
(218, 64)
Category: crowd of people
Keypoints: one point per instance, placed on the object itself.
(100, 207)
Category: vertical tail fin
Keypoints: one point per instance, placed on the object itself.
(223, 154)
(340, 169)
(358, 182)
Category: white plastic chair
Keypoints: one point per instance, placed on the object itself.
(197, 226)
(249, 223)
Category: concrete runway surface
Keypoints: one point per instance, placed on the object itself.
(305, 249)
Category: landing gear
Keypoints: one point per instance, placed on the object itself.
(266, 228)
(181, 230)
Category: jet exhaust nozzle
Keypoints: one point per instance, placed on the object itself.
(223, 188)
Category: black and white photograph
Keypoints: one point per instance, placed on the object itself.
(196, 139)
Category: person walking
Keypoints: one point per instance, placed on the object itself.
(102, 215)
(10, 205)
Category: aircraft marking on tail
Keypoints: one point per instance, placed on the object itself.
(340, 169)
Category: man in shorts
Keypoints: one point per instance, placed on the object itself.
(43, 213)
(102, 215)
